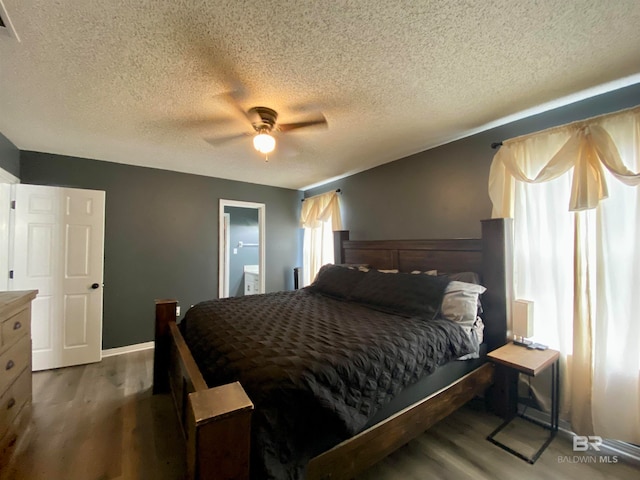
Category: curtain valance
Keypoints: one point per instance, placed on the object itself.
(321, 208)
(585, 146)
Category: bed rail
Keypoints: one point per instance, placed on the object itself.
(216, 422)
(364, 450)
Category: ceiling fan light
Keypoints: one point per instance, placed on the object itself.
(264, 143)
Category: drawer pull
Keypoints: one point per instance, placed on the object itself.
(11, 403)
(17, 326)
(10, 365)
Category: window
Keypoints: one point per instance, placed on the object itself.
(320, 216)
(576, 207)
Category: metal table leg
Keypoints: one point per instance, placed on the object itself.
(555, 397)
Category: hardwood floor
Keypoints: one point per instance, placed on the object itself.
(100, 422)
(456, 448)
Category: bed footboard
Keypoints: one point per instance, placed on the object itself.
(216, 422)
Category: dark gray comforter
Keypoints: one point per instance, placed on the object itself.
(316, 368)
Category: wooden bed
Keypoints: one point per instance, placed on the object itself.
(216, 421)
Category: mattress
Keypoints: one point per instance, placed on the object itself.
(443, 376)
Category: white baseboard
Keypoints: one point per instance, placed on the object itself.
(110, 352)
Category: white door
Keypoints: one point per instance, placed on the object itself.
(58, 249)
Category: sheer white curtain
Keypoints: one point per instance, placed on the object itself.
(320, 216)
(577, 230)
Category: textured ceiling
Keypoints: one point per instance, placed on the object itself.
(144, 82)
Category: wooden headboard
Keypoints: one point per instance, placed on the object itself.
(490, 256)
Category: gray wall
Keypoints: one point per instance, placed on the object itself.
(161, 235)
(161, 226)
(443, 192)
(9, 156)
(243, 227)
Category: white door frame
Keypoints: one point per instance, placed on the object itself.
(227, 256)
(261, 207)
(6, 180)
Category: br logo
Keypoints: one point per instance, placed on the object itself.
(583, 444)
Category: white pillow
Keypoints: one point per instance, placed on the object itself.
(460, 303)
(477, 336)
(366, 268)
(428, 272)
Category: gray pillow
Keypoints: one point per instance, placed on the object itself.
(468, 277)
(336, 281)
(401, 293)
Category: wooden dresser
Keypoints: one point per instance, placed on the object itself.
(15, 369)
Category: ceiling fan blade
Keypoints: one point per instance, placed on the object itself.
(201, 123)
(287, 146)
(286, 127)
(218, 141)
(230, 98)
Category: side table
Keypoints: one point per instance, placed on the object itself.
(517, 359)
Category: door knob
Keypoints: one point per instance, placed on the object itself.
(95, 285)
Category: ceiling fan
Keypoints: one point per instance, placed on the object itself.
(264, 121)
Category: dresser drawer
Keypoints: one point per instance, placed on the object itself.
(16, 436)
(14, 361)
(16, 326)
(14, 399)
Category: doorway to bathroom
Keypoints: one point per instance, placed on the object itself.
(241, 248)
